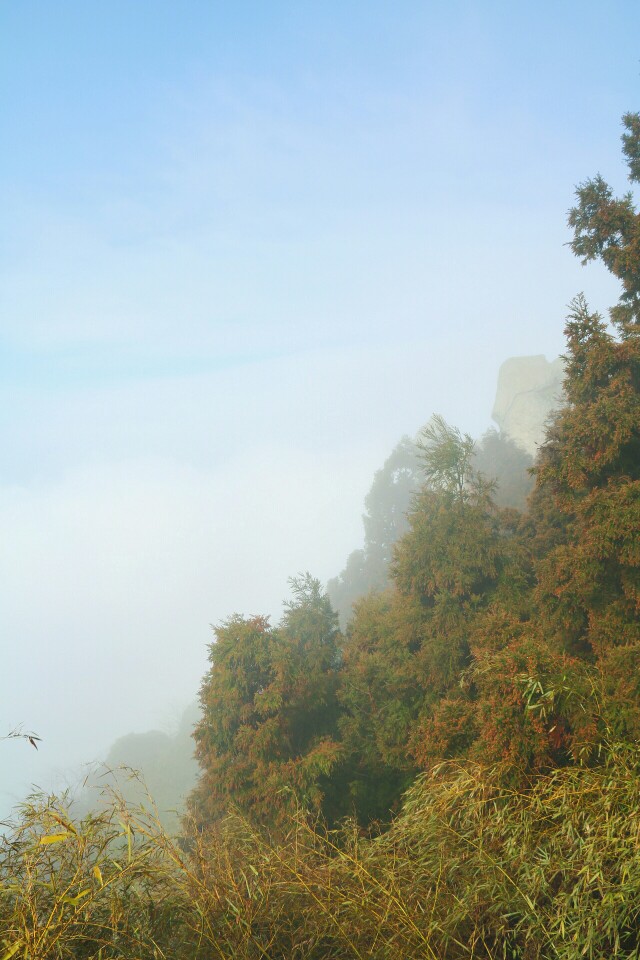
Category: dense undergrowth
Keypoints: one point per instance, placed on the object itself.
(469, 869)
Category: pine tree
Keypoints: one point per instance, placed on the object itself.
(590, 585)
(607, 228)
(267, 737)
(385, 520)
(408, 650)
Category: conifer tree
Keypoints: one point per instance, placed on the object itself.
(408, 650)
(267, 737)
(590, 586)
(607, 228)
(385, 520)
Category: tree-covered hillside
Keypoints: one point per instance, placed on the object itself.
(455, 773)
(483, 632)
(388, 504)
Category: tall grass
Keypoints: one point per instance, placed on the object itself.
(468, 869)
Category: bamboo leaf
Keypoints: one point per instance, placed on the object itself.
(55, 837)
(12, 950)
(74, 901)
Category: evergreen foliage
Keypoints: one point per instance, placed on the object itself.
(389, 501)
(607, 228)
(269, 711)
(385, 520)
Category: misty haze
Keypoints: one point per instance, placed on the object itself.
(320, 377)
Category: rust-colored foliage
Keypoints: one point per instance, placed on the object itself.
(503, 637)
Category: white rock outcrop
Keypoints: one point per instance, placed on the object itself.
(529, 389)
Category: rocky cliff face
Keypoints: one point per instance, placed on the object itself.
(529, 389)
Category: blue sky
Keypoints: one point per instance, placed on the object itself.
(244, 247)
(280, 173)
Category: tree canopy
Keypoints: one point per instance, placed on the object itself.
(478, 631)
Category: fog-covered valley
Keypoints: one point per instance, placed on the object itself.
(140, 550)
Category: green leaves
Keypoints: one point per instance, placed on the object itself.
(447, 457)
(590, 468)
(267, 735)
(608, 228)
(631, 144)
(11, 952)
